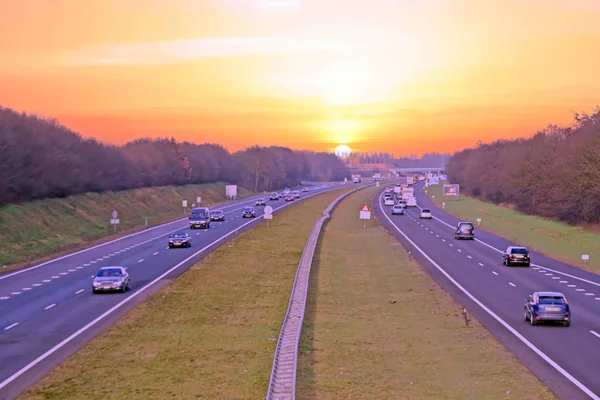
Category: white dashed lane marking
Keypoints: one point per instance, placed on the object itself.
(141, 260)
(563, 281)
(79, 291)
(469, 256)
(494, 272)
(46, 280)
(595, 334)
(50, 306)
(71, 270)
(4, 298)
(11, 326)
(63, 273)
(15, 293)
(590, 294)
(580, 290)
(512, 284)
(572, 285)
(480, 264)
(78, 267)
(155, 253)
(459, 250)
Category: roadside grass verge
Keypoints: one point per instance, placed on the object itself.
(378, 327)
(552, 238)
(210, 334)
(41, 229)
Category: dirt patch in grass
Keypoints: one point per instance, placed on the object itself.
(208, 335)
(552, 238)
(39, 230)
(378, 327)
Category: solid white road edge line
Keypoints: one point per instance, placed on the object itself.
(534, 265)
(133, 295)
(595, 334)
(112, 241)
(495, 316)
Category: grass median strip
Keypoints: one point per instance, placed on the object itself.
(378, 327)
(41, 229)
(211, 334)
(553, 238)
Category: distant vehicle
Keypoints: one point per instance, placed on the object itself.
(289, 197)
(425, 214)
(260, 202)
(109, 279)
(464, 230)
(547, 306)
(282, 195)
(516, 255)
(200, 218)
(397, 210)
(388, 201)
(305, 189)
(180, 239)
(248, 212)
(217, 215)
(287, 191)
(274, 197)
(401, 203)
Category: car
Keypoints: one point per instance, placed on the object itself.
(217, 215)
(402, 203)
(296, 194)
(200, 218)
(411, 202)
(289, 197)
(397, 210)
(388, 201)
(547, 306)
(180, 239)
(260, 202)
(425, 214)
(274, 197)
(516, 255)
(111, 279)
(305, 189)
(248, 212)
(465, 230)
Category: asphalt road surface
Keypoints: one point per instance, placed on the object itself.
(48, 311)
(566, 359)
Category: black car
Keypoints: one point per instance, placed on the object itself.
(274, 197)
(260, 202)
(465, 230)
(516, 255)
(217, 215)
(180, 239)
(547, 306)
(248, 212)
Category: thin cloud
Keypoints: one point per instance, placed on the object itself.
(184, 50)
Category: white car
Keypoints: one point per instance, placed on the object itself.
(388, 201)
(411, 202)
(425, 214)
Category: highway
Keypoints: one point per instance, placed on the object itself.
(48, 311)
(566, 359)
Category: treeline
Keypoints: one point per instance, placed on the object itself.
(554, 174)
(39, 158)
(414, 161)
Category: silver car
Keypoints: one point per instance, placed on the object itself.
(110, 279)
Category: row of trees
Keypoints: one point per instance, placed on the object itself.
(414, 161)
(555, 174)
(39, 158)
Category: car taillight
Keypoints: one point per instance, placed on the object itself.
(458, 231)
(472, 231)
(537, 301)
(566, 302)
(527, 255)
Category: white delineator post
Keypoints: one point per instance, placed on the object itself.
(115, 220)
(585, 258)
(478, 221)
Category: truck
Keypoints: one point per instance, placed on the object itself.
(397, 189)
(377, 177)
(408, 192)
(410, 180)
(356, 178)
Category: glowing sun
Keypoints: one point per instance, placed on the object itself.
(343, 151)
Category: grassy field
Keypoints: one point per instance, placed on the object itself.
(378, 327)
(552, 238)
(211, 334)
(36, 229)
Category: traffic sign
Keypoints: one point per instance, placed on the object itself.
(268, 216)
(198, 199)
(114, 214)
(365, 208)
(268, 210)
(115, 221)
(184, 203)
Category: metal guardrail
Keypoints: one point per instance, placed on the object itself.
(282, 385)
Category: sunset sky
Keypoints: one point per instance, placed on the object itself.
(401, 76)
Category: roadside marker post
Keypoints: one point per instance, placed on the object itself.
(115, 220)
(478, 221)
(585, 258)
(365, 214)
(443, 205)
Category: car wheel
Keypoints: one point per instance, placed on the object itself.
(170, 246)
(567, 323)
(532, 320)
(94, 291)
(525, 315)
(124, 288)
(503, 261)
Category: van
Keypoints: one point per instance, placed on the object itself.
(200, 218)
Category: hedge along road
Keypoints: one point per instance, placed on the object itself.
(46, 323)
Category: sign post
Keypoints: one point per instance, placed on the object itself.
(478, 221)
(443, 204)
(365, 214)
(377, 183)
(585, 258)
(184, 204)
(268, 214)
(115, 220)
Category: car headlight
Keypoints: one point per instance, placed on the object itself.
(96, 283)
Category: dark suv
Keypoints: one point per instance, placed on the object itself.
(516, 255)
(465, 230)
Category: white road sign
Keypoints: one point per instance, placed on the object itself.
(365, 212)
(184, 203)
(114, 214)
(268, 216)
(198, 199)
(268, 210)
(114, 221)
(585, 257)
(478, 221)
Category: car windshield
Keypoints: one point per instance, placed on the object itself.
(248, 209)
(552, 300)
(426, 210)
(519, 251)
(219, 212)
(179, 235)
(199, 214)
(109, 272)
(466, 226)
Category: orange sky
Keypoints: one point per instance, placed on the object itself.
(402, 76)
